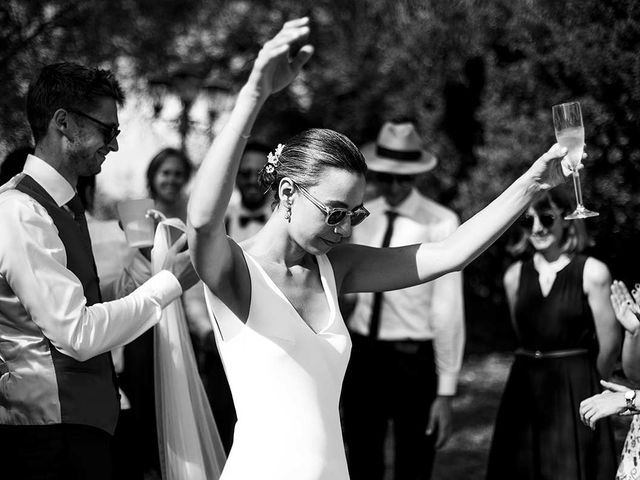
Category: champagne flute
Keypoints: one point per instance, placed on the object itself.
(567, 122)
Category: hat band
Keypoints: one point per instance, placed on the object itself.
(406, 155)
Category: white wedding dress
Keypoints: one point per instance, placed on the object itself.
(286, 381)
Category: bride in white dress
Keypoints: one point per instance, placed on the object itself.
(273, 298)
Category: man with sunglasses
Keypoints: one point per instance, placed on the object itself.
(407, 344)
(58, 394)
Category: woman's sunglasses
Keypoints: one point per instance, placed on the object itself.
(334, 216)
(546, 220)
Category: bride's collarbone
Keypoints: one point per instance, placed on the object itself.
(303, 289)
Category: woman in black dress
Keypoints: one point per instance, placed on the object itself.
(568, 340)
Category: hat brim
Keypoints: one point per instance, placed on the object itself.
(376, 163)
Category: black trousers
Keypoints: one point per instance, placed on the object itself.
(55, 452)
(389, 380)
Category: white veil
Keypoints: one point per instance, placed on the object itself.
(189, 443)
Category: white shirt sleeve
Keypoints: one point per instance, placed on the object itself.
(447, 315)
(33, 262)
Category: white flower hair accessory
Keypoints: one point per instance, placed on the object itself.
(274, 158)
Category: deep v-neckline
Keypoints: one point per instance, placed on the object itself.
(555, 280)
(283, 296)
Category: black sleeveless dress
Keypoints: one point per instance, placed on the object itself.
(538, 433)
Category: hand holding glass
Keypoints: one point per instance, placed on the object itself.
(567, 122)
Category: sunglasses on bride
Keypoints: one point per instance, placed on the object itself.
(334, 216)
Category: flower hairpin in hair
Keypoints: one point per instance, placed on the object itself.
(273, 159)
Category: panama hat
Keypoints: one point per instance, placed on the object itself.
(398, 150)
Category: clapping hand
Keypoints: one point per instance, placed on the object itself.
(277, 63)
(625, 306)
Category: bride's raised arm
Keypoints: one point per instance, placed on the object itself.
(275, 67)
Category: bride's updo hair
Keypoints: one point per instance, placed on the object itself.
(304, 157)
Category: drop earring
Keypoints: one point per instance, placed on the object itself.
(287, 211)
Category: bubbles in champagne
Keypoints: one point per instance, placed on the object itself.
(573, 140)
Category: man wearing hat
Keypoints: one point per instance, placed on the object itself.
(407, 344)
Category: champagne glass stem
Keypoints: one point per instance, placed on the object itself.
(576, 187)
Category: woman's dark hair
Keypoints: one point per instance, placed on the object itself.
(67, 85)
(575, 238)
(307, 154)
(156, 163)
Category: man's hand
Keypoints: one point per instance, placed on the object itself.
(179, 263)
(440, 420)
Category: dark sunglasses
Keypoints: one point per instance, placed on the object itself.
(334, 216)
(110, 131)
(546, 220)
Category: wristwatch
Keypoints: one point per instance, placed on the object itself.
(630, 397)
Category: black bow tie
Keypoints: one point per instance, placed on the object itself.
(244, 220)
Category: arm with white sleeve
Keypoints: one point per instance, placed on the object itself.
(33, 263)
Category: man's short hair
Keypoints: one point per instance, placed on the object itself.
(67, 85)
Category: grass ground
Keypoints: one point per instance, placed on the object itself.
(480, 388)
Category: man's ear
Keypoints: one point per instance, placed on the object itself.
(60, 122)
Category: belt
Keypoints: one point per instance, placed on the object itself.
(571, 352)
(403, 346)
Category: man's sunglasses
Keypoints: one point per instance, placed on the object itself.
(334, 216)
(110, 131)
(546, 220)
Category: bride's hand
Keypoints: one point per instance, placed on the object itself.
(277, 64)
(625, 307)
(551, 168)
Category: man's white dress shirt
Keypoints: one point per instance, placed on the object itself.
(431, 311)
(33, 265)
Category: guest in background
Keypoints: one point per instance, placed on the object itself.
(407, 344)
(620, 399)
(167, 176)
(251, 212)
(568, 339)
(13, 163)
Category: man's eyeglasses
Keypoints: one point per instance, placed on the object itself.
(110, 131)
(546, 220)
(334, 216)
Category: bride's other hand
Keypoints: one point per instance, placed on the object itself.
(277, 63)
